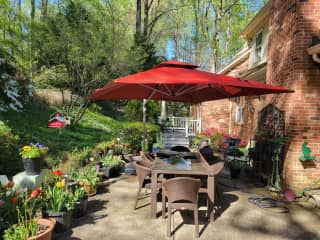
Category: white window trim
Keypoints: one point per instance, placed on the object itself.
(255, 56)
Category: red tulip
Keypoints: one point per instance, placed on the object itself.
(14, 200)
(10, 184)
(35, 193)
(57, 173)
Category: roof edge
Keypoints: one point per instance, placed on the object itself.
(242, 55)
(252, 26)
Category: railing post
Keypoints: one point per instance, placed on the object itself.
(187, 126)
(172, 122)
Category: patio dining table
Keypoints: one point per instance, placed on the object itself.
(178, 165)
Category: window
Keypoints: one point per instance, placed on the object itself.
(258, 47)
(239, 111)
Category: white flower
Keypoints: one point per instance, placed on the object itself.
(118, 139)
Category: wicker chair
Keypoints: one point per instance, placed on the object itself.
(216, 169)
(143, 171)
(182, 193)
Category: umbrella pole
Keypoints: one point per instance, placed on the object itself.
(144, 112)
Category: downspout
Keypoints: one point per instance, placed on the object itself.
(315, 52)
(230, 116)
(315, 57)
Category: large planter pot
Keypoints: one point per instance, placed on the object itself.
(106, 171)
(80, 208)
(115, 171)
(63, 221)
(32, 166)
(47, 234)
(235, 172)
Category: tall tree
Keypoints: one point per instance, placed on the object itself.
(138, 17)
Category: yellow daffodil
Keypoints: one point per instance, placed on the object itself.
(26, 148)
(61, 184)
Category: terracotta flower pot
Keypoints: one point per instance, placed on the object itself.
(32, 166)
(47, 234)
(89, 189)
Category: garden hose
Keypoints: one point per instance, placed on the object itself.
(268, 203)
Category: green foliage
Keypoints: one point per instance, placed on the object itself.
(132, 133)
(306, 153)
(58, 198)
(113, 161)
(33, 151)
(78, 193)
(142, 55)
(14, 86)
(85, 174)
(133, 111)
(10, 162)
(31, 126)
(27, 225)
(22, 231)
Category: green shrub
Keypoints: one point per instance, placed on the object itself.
(133, 111)
(10, 162)
(132, 133)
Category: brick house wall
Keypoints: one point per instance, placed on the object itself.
(215, 114)
(292, 23)
(291, 27)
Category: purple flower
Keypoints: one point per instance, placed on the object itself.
(2, 203)
(97, 167)
(38, 145)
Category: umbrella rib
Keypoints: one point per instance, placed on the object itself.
(153, 92)
(170, 93)
(186, 91)
(182, 89)
(154, 89)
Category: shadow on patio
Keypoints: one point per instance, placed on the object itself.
(236, 218)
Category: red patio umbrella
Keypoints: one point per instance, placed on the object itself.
(181, 82)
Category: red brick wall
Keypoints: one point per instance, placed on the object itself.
(292, 25)
(215, 114)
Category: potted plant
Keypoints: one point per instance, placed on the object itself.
(88, 178)
(59, 202)
(235, 169)
(112, 165)
(32, 157)
(9, 200)
(28, 227)
(81, 202)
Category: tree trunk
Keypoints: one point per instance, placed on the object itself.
(146, 18)
(228, 32)
(33, 9)
(44, 6)
(196, 4)
(138, 17)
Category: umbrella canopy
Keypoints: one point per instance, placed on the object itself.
(181, 82)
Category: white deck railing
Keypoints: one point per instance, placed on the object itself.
(191, 126)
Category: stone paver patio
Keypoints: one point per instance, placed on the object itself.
(111, 216)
